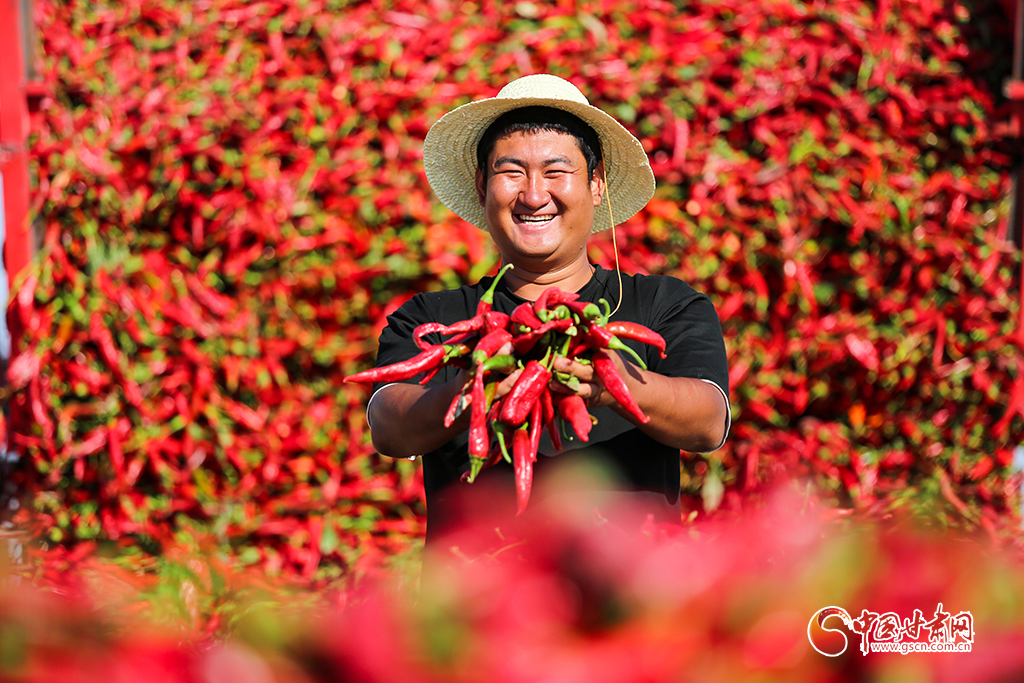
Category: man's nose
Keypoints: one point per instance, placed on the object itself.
(535, 193)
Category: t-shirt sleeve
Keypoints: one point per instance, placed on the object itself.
(395, 343)
(695, 346)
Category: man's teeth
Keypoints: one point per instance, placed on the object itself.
(535, 219)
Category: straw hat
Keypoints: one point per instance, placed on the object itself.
(449, 151)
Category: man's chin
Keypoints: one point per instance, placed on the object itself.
(536, 261)
(531, 247)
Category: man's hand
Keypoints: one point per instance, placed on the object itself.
(686, 413)
(591, 388)
(408, 419)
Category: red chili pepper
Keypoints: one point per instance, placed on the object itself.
(463, 399)
(112, 356)
(551, 297)
(549, 418)
(101, 335)
(536, 427)
(430, 374)
(599, 337)
(524, 343)
(479, 438)
(37, 406)
(616, 386)
(463, 328)
(489, 345)
(218, 304)
(485, 318)
(93, 380)
(523, 315)
(396, 372)
(525, 392)
(89, 444)
(458, 405)
(547, 404)
(637, 332)
(493, 456)
(115, 450)
(425, 329)
(586, 311)
(541, 304)
(573, 409)
(522, 461)
(495, 320)
(244, 415)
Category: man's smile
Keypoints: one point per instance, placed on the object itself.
(525, 218)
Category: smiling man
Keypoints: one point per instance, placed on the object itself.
(541, 170)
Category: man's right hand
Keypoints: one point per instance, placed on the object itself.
(408, 419)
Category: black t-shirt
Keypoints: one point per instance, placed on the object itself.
(695, 348)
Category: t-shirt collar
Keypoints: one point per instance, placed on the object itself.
(595, 287)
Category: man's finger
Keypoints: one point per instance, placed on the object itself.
(585, 373)
(506, 384)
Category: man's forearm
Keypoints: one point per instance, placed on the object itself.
(686, 413)
(408, 419)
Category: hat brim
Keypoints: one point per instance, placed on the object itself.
(449, 158)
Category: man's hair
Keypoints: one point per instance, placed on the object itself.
(534, 120)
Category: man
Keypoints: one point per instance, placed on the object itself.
(540, 170)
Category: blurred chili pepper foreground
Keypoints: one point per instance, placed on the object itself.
(561, 595)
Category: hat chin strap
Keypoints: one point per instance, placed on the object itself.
(615, 243)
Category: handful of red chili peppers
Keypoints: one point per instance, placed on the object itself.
(510, 427)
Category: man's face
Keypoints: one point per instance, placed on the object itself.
(538, 200)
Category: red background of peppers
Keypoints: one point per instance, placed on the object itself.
(231, 199)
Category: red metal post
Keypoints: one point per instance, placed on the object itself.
(19, 243)
(19, 239)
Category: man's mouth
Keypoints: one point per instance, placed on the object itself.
(523, 218)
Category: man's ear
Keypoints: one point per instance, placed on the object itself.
(481, 192)
(597, 183)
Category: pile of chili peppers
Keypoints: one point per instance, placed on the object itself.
(509, 427)
(833, 177)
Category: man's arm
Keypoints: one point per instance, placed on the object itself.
(686, 413)
(408, 419)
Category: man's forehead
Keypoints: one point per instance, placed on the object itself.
(557, 142)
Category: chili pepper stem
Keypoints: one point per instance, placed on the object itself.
(475, 465)
(565, 346)
(502, 445)
(548, 359)
(488, 296)
(620, 345)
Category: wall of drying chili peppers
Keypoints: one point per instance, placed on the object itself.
(231, 200)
